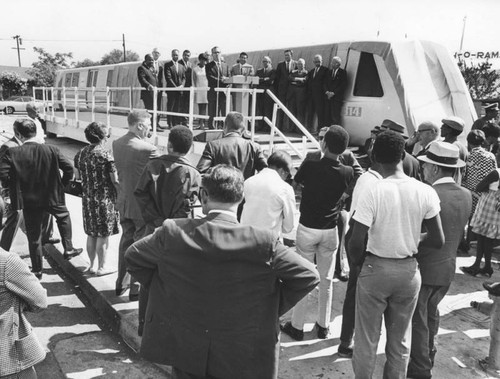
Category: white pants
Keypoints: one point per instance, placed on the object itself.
(322, 244)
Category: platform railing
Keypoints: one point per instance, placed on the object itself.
(59, 96)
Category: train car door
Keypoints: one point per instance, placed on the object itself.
(91, 82)
(370, 96)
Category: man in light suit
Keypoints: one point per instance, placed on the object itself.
(283, 70)
(233, 149)
(267, 75)
(437, 266)
(316, 79)
(217, 288)
(32, 173)
(335, 87)
(175, 77)
(217, 72)
(131, 153)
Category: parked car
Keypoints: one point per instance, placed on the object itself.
(17, 104)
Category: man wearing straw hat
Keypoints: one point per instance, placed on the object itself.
(437, 266)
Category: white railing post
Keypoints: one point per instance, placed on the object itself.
(52, 114)
(228, 100)
(44, 100)
(130, 98)
(76, 106)
(155, 109)
(254, 107)
(191, 108)
(304, 145)
(64, 106)
(108, 107)
(93, 104)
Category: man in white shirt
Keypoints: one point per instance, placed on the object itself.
(269, 200)
(389, 281)
(33, 110)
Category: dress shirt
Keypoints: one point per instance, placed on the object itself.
(269, 203)
(446, 179)
(229, 213)
(39, 138)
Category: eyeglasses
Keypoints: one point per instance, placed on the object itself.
(424, 130)
(321, 138)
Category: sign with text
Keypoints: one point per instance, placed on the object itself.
(478, 54)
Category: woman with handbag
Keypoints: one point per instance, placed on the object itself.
(20, 291)
(96, 168)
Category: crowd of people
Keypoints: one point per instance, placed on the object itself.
(212, 290)
(313, 96)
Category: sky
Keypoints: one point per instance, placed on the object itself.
(91, 28)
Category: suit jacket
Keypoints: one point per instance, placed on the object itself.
(31, 172)
(215, 74)
(233, 150)
(167, 188)
(189, 72)
(175, 78)
(411, 166)
(437, 266)
(316, 83)
(336, 85)
(281, 81)
(216, 290)
(131, 156)
(147, 77)
(266, 77)
(20, 291)
(247, 69)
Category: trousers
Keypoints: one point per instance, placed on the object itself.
(319, 244)
(387, 288)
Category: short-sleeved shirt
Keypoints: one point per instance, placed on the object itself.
(323, 183)
(394, 209)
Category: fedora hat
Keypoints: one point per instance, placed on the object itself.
(394, 126)
(443, 154)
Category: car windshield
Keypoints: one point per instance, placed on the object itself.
(14, 98)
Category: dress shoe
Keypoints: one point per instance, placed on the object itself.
(72, 253)
(296, 334)
(471, 270)
(51, 240)
(345, 352)
(492, 288)
(322, 333)
(486, 271)
(121, 290)
(133, 297)
(342, 277)
(38, 274)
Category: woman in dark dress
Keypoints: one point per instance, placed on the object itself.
(96, 168)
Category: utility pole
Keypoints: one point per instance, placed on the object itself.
(19, 41)
(124, 51)
(463, 33)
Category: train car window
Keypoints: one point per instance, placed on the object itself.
(75, 79)
(92, 78)
(94, 81)
(367, 78)
(109, 78)
(67, 82)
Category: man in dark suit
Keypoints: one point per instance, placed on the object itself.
(31, 172)
(335, 87)
(316, 79)
(267, 75)
(283, 69)
(148, 78)
(217, 288)
(186, 54)
(175, 76)
(437, 266)
(217, 72)
(159, 73)
(233, 149)
(131, 153)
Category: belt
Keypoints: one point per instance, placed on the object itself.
(376, 256)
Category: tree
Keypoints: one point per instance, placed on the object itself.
(44, 70)
(86, 63)
(482, 81)
(13, 84)
(116, 56)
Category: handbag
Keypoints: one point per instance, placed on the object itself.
(74, 187)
